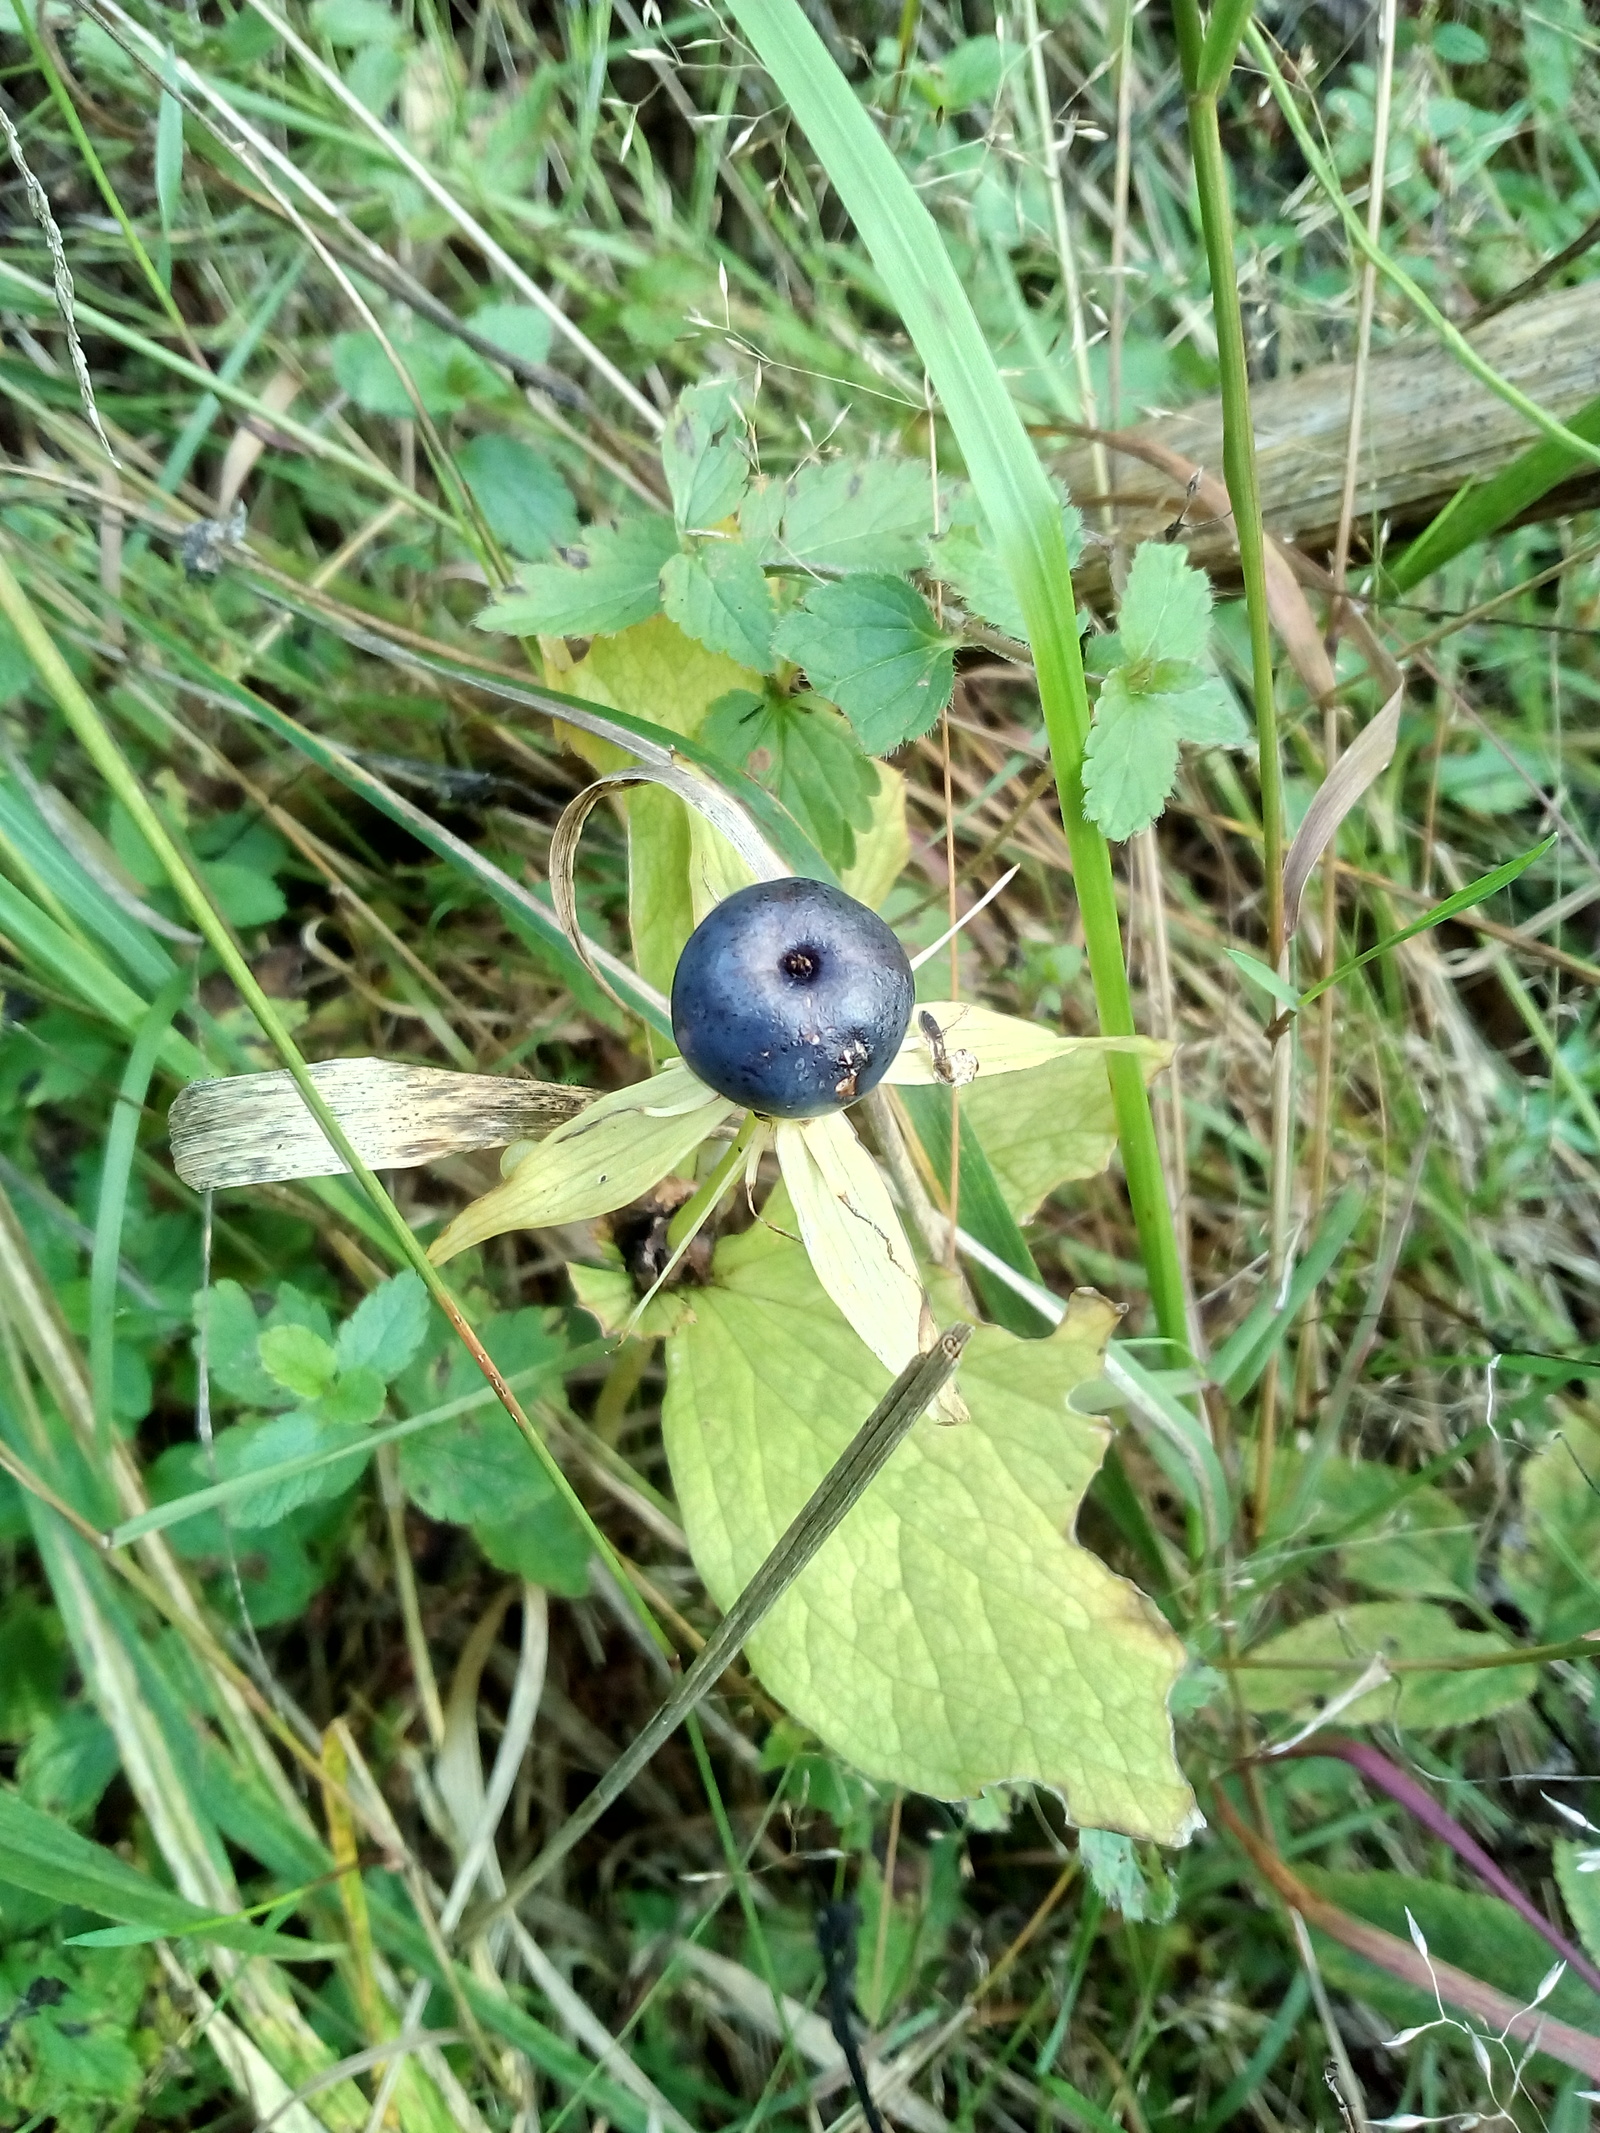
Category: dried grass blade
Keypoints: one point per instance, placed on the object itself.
(255, 1129)
(1356, 771)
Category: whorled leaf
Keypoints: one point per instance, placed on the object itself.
(1000, 1044)
(950, 1635)
(608, 1155)
(1057, 1124)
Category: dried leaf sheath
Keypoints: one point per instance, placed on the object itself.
(254, 1129)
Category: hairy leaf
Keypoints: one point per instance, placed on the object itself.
(845, 514)
(608, 581)
(1166, 605)
(718, 596)
(968, 561)
(706, 469)
(872, 645)
(386, 1328)
(949, 1635)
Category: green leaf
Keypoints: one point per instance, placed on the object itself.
(1579, 1884)
(517, 328)
(232, 1332)
(544, 1544)
(967, 560)
(803, 751)
(298, 1360)
(357, 1395)
(1264, 978)
(1203, 709)
(609, 580)
(1550, 1557)
(706, 470)
(1131, 760)
(1398, 1629)
(41, 1854)
(1140, 1891)
(446, 373)
(266, 1441)
(718, 596)
(245, 897)
(871, 644)
(1475, 892)
(387, 1328)
(354, 23)
(69, 1762)
(1166, 605)
(472, 1469)
(949, 1635)
(845, 514)
(527, 506)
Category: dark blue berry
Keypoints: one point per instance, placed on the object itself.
(792, 998)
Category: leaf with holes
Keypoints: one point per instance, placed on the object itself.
(805, 753)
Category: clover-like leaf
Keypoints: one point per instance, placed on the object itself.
(718, 595)
(950, 1635)
(873, 646)
(608, 581)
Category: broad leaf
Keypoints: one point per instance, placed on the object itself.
(446, 373)
(846, 514)
(654, 671)
(299, 1360)
(718, 596)
(1043, 1128)
(544, 1544)
(609, 580)
(1342, 1642)
(527, 506)
(268, 1441)
(806, 754)
(872, 645)
(232, 1333)
(517, 328)
(949, 1635)
(706, 469)
(968, 561)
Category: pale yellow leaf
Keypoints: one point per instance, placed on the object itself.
(852, 1235)
(606, 1156)
(1001, 1044)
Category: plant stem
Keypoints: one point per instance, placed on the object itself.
(1207, 62)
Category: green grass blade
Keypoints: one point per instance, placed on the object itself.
(1024, 522)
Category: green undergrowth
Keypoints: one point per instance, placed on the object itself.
(547, 372)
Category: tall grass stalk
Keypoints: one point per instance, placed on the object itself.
(1206, 58)
(1025, 521)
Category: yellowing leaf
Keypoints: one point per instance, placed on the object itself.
(949, 1635)
(884, 851)
(654, 671)
(1338, 1645)
(1001, 1044)
(1052, 1124)
(608, 1155)
(1550, 1559)
(850, 1229)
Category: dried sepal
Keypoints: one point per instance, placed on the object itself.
(616, 1149)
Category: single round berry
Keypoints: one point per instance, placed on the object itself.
(792, 998)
